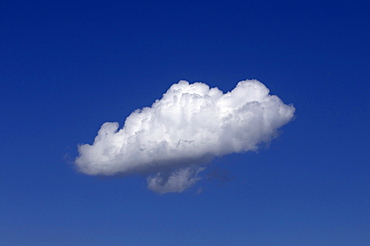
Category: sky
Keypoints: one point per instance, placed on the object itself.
(79, 78)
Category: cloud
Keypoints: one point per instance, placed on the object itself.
(173, 139)
(220, 175)
(174, 181)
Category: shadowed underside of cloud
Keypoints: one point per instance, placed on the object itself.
(192, 123)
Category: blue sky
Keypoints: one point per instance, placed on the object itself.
(67, 67)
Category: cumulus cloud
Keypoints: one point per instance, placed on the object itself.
(172, 140)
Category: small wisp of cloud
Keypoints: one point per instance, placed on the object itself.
(222, 176)
(172, 141)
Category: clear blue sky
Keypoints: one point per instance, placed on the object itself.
(66, 67)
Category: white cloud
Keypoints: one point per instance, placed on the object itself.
(187, 127)
(177, 180)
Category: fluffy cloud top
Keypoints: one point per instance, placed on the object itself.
(190, 125)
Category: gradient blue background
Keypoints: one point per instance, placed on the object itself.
(66, 67)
